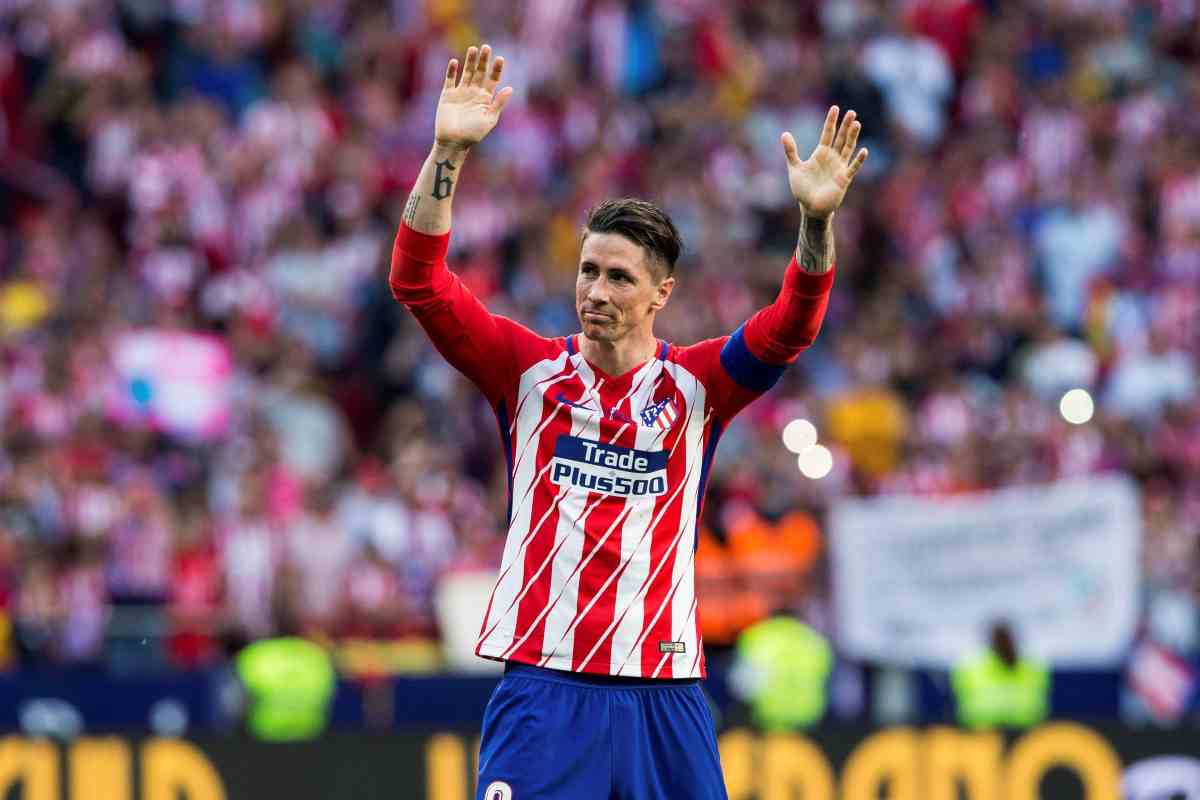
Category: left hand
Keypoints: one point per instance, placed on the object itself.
(820, 183)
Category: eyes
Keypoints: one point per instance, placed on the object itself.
(589, 270)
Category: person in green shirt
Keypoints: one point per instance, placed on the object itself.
(289, 682)
(781, 670)
(998, 688)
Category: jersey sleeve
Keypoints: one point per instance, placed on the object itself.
(477, 343)
(742, 366)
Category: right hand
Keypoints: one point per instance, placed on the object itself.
(469, 108)
(819, 184)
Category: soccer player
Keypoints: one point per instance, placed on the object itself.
(609, 435)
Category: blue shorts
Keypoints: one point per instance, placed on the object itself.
(553, 735)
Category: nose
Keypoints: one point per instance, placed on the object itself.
(597, 293)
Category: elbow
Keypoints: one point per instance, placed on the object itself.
(786, 349)
(420, 287)
(418, 270)
(411, 281)
(412, 296)
(805, 339)
(403, 294)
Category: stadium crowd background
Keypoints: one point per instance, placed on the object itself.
(210, 403)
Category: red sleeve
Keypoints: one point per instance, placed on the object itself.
(738, 368)
(778, 333)
(474, 341)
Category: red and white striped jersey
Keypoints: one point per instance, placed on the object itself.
(606, 473)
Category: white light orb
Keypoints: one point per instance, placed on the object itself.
(799, 435)
(816, 462)
(1077, 406)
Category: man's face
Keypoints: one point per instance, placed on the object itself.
(617, 290)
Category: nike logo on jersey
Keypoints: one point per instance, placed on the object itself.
(562, 398)
(608, 468)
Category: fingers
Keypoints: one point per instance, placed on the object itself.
(469, 63)
(451, 74)
(857, 163)
(851, 139)
(789, 148)
(493, 78)
(839, 141)
(501, 99)
(481, 68)
(830, 125)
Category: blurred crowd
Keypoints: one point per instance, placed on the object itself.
(213, 412)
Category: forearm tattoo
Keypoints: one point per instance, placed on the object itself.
(410, 208)
(814, 252)
(442, 185)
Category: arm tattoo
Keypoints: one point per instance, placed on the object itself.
(442, 184)
(410, 208)
(815, 252)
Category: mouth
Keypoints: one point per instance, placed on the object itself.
(595, 316)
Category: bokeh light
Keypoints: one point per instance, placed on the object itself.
(799, 435)
(816, 462)
(1077, 406)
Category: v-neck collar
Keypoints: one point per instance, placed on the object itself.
(659, 355)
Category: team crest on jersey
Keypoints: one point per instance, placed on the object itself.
(661, 415)
(498, 790)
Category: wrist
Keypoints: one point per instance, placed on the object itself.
(450, 150)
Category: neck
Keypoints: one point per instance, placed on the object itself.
(617, 358)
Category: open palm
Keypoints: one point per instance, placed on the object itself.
(470, 106)
(819, 184)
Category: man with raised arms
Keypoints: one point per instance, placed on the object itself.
(609, 435)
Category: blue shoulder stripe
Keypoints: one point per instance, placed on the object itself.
(745, 368)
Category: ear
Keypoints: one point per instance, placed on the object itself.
(663, 293)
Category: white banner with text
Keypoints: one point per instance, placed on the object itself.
(919, 580)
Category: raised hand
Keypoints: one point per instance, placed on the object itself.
(470, 106)
(820, 183)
